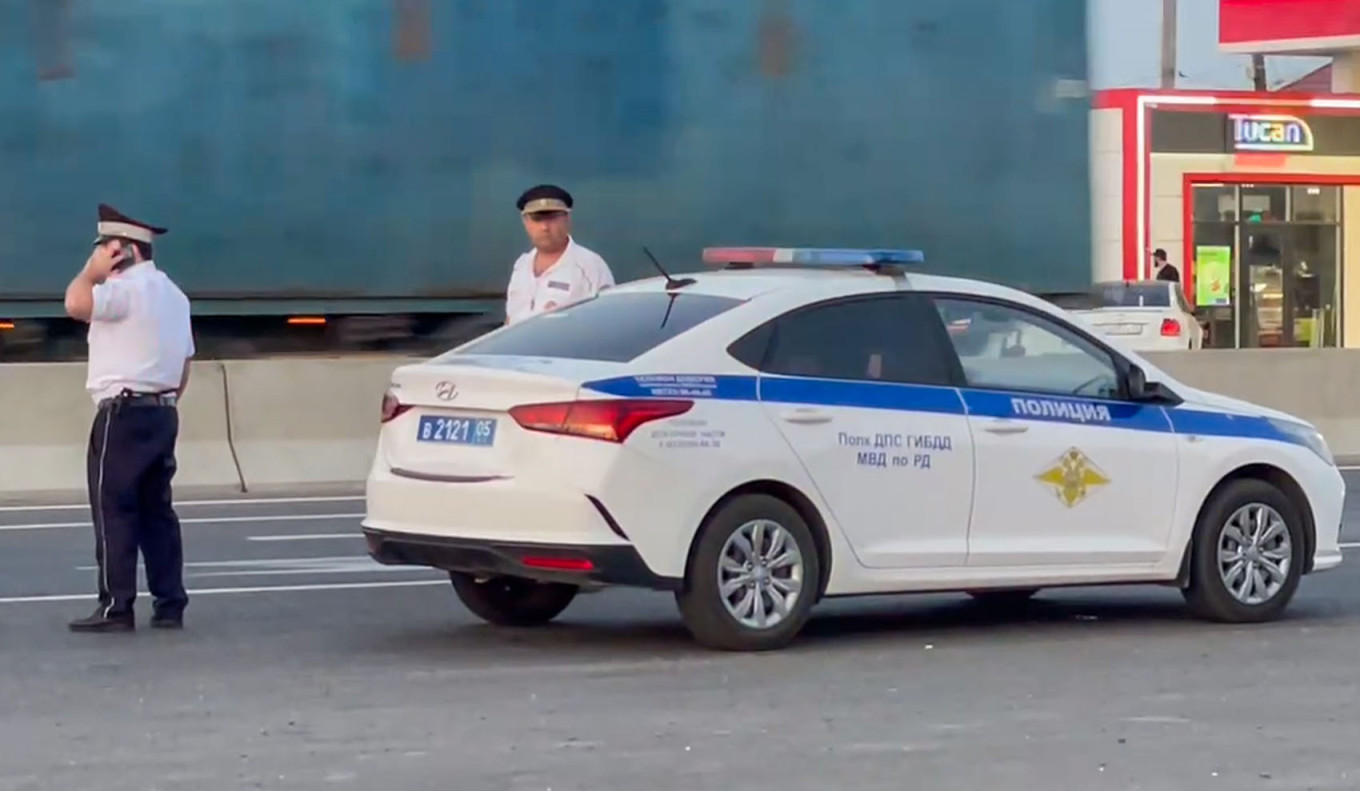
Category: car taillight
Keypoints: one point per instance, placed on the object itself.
(611, 420)
(391, 407)
(559, 564)
(1170, 328)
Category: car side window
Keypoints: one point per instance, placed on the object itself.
(892, 338)
(752, 347)
(1008, 348)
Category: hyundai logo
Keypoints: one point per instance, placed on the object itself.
(446, 391)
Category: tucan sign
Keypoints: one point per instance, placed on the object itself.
(1271, 133)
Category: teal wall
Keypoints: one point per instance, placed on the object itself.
(292, 151)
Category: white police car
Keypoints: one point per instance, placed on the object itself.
(816, 423)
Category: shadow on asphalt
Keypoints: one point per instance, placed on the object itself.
(970, 618)
(847, 624)
(1052, 613)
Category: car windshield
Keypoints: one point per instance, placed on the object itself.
(610, 327)
(1132, 295)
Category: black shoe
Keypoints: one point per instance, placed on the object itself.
(167, 621)
(99, 622)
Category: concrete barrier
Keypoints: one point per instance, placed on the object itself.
(45, 418)
(306, 421)
(261, 424)
(1319, 385)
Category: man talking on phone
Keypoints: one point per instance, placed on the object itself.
(141, 342)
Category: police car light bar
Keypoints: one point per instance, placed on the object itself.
(810, 256)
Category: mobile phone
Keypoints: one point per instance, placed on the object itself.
(125, 258)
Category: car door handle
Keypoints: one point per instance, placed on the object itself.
(806, 416)
(1006, 427)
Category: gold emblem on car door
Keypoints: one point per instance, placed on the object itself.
(1072, 477)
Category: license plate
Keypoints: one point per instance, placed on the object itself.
(480, 432)
(1122, 329)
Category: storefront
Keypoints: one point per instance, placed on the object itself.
(1255, 198)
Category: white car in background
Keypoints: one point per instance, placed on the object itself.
(807, 424)
(1146, 315)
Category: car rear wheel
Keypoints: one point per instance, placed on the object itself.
(1247, 554)
(753, 576)
(512, 601)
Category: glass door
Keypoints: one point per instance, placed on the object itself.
(1288, 281)
(1262, 315)
(1214, 247)
(1315, 260)
(1312, 293)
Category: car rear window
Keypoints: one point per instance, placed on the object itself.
(1072, 300)
(609, 328)
(1132, 295)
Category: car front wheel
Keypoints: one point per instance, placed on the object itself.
(512, 601)
(753, 577)
(1247, 554)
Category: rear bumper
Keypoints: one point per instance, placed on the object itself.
(528, 510)
(602, 564)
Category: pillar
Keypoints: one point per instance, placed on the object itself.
(1346, 72)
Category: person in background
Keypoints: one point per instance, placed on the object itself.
(141, 342)
(1165, 270)
(558, 270)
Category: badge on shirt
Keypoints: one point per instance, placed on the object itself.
(559, 285)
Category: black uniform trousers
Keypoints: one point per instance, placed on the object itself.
(131, 462)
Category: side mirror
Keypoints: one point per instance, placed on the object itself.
(1140, 389)
(1136, 380)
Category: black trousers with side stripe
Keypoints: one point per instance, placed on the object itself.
(130, 464)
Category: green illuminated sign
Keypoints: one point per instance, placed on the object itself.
(1213, 275)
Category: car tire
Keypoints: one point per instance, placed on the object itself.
(785, 569)
(512, 601)
(1218, 589)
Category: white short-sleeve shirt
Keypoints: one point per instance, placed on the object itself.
(140, 333)
(580, 273)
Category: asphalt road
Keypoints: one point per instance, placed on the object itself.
(305, 666)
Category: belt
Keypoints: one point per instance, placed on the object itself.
(132, 398)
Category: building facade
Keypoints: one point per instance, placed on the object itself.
(1255, 197)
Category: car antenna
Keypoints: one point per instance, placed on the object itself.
(670, 281)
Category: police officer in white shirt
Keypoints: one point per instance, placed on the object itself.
(141, 341)
(559, 270)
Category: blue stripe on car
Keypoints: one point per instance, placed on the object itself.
(944, 400)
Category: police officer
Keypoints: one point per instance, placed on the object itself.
(140, 342)
(558, 270)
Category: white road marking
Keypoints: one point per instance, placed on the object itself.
(274, 567)
(1349, 545)
(185, 503)
(376, 568)
(306, 537)
(208, 520)
(330, 586)
(321, 565)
